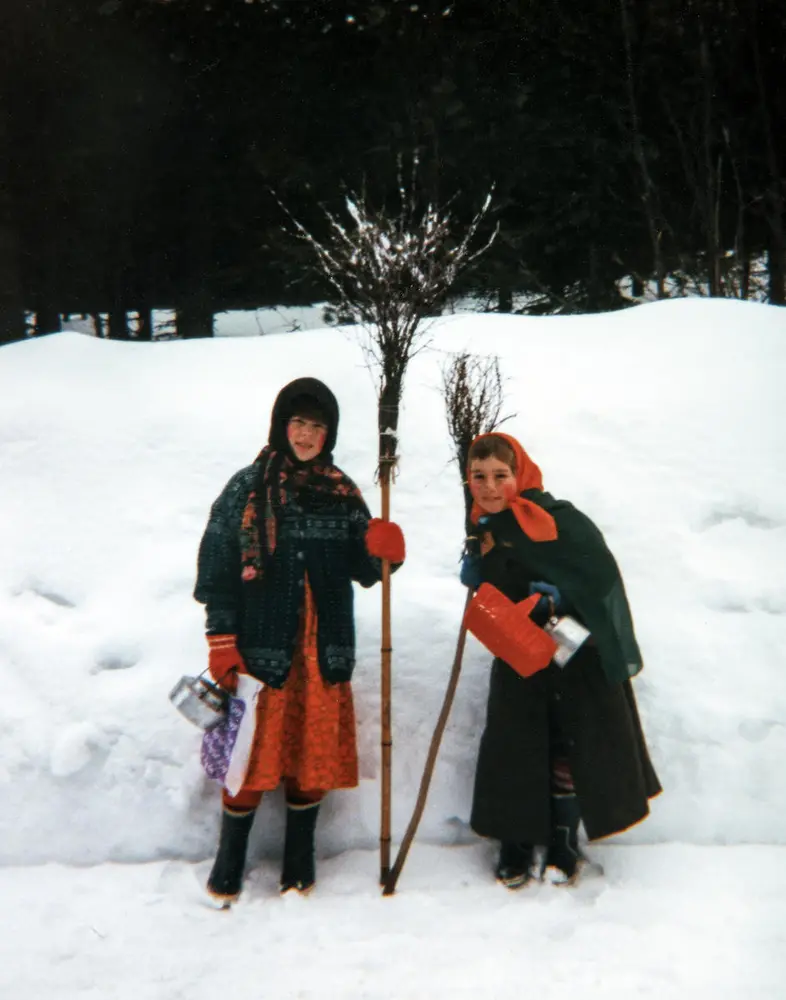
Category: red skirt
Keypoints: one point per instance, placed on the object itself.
(305, 730)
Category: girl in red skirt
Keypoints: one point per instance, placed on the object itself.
(284, 542)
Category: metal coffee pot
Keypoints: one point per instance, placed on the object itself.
(200, 700)
(568, 634)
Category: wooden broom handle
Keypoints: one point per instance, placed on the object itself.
(425, 781)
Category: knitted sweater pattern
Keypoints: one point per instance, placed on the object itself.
(327, 545)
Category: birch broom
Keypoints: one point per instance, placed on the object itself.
(472, 389)
(389, 271)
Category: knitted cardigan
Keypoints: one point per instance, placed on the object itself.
(328, 545)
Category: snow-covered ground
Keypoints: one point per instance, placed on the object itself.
(666, 423)
(670, 921)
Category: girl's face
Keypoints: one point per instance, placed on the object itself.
(306, 437)
(492, 484)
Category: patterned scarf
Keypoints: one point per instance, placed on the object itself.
(313, 485)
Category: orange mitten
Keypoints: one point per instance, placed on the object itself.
(223, 657)
(507, 630)
(385, 540)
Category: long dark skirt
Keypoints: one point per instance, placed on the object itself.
(595, 724)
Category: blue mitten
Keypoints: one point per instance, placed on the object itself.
(471, 574)
(545, 607)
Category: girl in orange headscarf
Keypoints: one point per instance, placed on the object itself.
(564, 743)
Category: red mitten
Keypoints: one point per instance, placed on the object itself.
(385, 540)
(223, 657)
(507, 630)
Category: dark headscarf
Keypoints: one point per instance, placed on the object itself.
(283, 410)
(314, 485)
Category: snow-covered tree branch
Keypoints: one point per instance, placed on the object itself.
(389, 271)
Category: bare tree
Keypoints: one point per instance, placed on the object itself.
(652, 214)
(12, 317)
(774, 199)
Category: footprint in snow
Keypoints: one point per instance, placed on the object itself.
(753, 518)
(756, 730)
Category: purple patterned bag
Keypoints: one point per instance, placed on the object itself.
(219, 742)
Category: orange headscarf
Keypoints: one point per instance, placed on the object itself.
(534, 521)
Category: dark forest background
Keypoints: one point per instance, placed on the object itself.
(631, 144)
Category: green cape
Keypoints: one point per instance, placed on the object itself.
(578, 562)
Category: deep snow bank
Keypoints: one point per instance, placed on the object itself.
(666, 423)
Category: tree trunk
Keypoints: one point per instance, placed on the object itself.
(118, 324)
(145, 324)
(12, 315)
(194, 319)
(774, 202)
(776, 269)
(651, 214)
(195, 313)
(712, 179)
(745, 277)
(47, 320)
(12, 324)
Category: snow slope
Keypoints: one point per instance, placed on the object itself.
(666, 423)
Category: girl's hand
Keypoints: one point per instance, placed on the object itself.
(385, 540)
(551, 601)
(471, 575)
(224, 660)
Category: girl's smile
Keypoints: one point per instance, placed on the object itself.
(306, 437)
(492, 483)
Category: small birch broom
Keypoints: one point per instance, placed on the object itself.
(472, 388)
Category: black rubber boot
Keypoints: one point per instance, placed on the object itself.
(563, 858)
(226, 877)
(515, 865)
(298, 871)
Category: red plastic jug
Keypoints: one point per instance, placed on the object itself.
(507, 630)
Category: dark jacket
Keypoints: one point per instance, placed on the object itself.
(577, 711)
(328, 545)
(581, 565)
